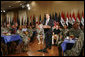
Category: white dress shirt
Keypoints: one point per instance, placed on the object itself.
(24, 29)
(47, 21)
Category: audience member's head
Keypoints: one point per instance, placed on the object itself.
(24, 26)
(82, 27)
(13, 26)
(8, 25)
(20, 27)
(57, 23)
(76, 25)
(16, 24)
(65, 26)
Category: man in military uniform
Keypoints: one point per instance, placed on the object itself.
(78, 33)
(75, 30)
(6, 29)
(25, 37)
(40, 32)
(2, 29)
(64, 32)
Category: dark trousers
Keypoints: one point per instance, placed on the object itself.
(60, 50)
(34, 34)
(48, 39)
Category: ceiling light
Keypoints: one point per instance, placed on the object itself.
(28, 8)
(18, 1)
(3, 10)
(28, 5)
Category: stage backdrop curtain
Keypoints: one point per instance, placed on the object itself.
(22, 15)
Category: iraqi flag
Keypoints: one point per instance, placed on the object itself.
(82, 19)
(40, 18)
(73, 18)
(34, 20)
(27, 21)
(67, 18)
(22, 20)
(62, 19)
(55, 17)
(70, 19)
(30, 21)
(18, 21)
(59, 18)
(78, 17)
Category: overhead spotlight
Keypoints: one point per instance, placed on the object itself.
(3, 10)
(28, 5)
(18, 1)
(28, 8)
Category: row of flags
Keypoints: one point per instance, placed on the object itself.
(69, 19)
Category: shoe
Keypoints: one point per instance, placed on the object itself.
(42, 43)
(39, 43)
(40, 50)
(49, 47)
(56, 44)
(43, 50)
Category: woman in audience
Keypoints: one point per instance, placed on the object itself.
(56, 32)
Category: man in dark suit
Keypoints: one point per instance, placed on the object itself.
(47, 25)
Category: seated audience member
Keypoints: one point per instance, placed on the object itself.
(13, 30)
(25, 37)
(30, 32)
(8, 28)
(2, 29)
(64, 32)
(24, 29)
(77, 47)
(82, 28)
(19, 31)
(16, 25)
(56, 32)
(75, 30)
(40, 32)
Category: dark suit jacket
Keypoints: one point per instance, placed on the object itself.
(50, 23)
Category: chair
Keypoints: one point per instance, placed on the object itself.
(13, 47)
(19, 48)
(4, 49)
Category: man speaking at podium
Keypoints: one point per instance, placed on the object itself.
(47, 25)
